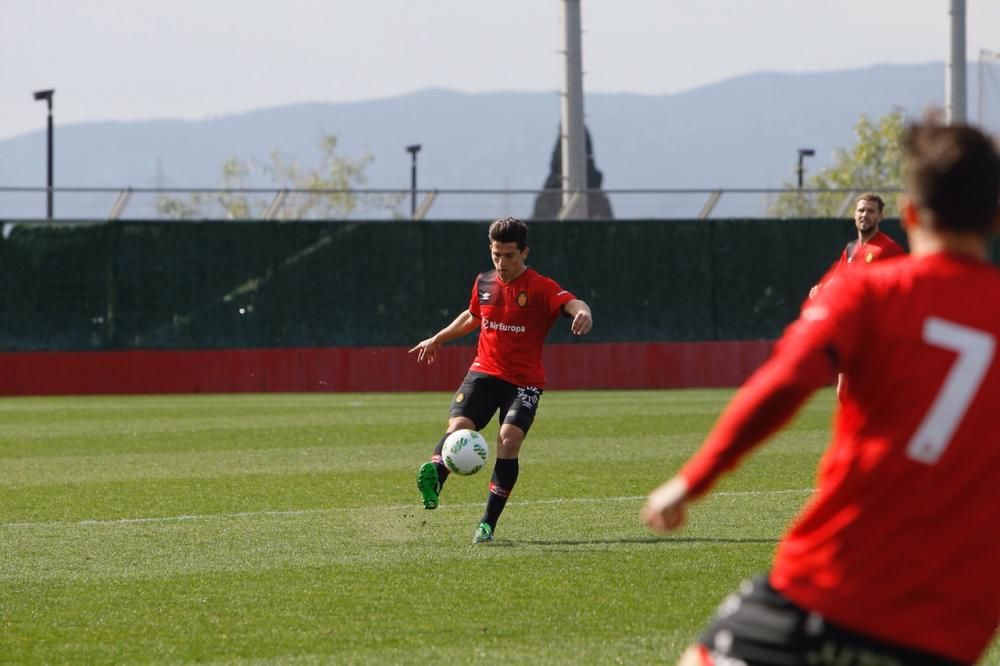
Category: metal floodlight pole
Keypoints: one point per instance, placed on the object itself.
(574, 145)
(47, 96)
(803, 153)
(413, 150)
(954, 81)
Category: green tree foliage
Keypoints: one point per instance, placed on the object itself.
(325, 191)
(873, 164)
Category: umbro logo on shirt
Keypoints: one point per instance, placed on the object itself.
(484, 296)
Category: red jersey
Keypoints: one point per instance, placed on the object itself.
(516, 317)
(879, 246)
(901, 540)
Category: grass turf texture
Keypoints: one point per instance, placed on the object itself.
(287, 528)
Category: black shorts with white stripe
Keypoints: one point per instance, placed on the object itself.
(758, 626)
(481, 395)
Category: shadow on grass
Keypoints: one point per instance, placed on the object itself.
(635, 540)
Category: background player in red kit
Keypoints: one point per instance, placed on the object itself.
(895, 558)
(513, 307)
(871, 244)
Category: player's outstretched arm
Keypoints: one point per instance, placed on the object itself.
(767, 401)
(463, 324)
(583, 320)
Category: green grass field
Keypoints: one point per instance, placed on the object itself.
(288, 529)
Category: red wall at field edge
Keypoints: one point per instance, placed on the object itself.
(639, 365)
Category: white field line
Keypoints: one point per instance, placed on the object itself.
(399, 507)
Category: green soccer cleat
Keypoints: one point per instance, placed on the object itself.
(427, 484)
(484, 534)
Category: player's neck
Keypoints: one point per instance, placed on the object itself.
(511, 279)
(864, 237)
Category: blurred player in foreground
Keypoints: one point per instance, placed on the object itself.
(513, 307)
(896, 557)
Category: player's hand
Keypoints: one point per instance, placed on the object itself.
(426, 350)
(582, 323)
(814, 292)
(664, 510)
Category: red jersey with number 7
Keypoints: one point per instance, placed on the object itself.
(515, 318)
(901, 540)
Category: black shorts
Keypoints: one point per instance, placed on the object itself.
(758, 625)
(481, 395)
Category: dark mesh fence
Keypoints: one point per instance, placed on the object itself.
(191, 285)
(55, 286)
(764, 273)
(170, 285)
(643, 280)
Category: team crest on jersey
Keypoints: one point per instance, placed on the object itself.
(459, 397)
(869, 257)
(522, 298)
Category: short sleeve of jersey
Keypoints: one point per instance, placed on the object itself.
(555, 295)
(474, 300)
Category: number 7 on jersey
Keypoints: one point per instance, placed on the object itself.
(975, 351)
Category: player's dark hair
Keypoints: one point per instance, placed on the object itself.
(871, 196)
(953, 171)
(510, 230)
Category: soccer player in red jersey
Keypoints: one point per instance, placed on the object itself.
(871, 244)
(513, 307)
(896, 557)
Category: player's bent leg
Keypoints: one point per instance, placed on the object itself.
(454, 423)
(460, 423)
(505, 472)
(509, 441)
(432, 475)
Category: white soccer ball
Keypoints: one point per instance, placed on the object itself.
(465, 452)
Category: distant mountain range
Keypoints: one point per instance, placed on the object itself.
(740, 133)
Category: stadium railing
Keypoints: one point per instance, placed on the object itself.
(139, 203)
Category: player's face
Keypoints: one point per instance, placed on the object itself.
(508, 260)
(867, 217)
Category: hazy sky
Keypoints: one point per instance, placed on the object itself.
(137, 59)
